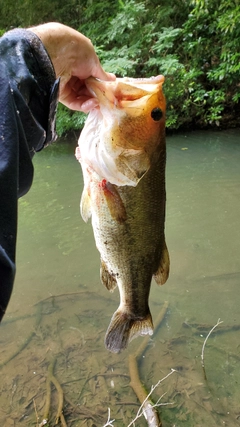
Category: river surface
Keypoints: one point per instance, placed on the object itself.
(59, 311)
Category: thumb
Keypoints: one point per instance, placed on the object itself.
(99, 73)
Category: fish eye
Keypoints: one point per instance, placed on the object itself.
(156, 114)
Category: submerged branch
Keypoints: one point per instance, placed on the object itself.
(52, 379)
(147, 407)
(143, 346)
(204, 344)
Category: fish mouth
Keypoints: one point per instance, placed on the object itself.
(100, 89)
(123, 89)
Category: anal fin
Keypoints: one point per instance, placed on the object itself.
(107, 279)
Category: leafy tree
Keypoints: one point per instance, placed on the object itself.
(194, 43)
(211, 46)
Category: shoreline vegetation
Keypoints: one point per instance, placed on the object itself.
(195, 44)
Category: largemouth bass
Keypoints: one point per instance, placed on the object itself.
(122, 153)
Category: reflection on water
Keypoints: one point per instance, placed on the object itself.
(59, 311)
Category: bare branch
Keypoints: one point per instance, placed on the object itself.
(204, 344)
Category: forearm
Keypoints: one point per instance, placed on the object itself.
(27, 80)
(31, 61)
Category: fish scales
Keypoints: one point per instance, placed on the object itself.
(128, 220)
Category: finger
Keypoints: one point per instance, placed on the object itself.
(73, 89)
(80, 103)
(111, 76)
(99, 73)
(89, 105)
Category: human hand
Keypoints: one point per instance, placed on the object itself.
(74, 60)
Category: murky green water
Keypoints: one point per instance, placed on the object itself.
(59, 311)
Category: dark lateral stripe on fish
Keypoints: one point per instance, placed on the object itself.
(124, 327)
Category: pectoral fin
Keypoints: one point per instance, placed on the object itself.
(85, 205)
(114, 201)
(162, 272)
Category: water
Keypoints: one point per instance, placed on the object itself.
(59, 311)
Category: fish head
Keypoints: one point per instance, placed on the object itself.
(132, 116)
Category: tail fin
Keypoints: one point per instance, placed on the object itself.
(124, 327)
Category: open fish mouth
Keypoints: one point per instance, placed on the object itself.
(124, 91)
(122, 132)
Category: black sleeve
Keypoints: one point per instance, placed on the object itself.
(28, 102)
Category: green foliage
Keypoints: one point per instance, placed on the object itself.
(24, 13)
(136, 42)
(195, 44)
(211, 44)
(69, 120)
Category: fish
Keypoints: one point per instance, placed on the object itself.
(122, 152)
